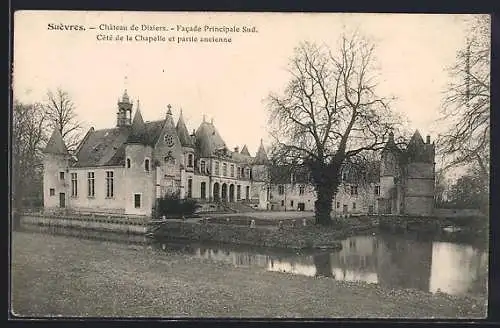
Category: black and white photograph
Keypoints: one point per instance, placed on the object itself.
(249, 165)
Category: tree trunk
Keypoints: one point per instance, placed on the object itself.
(323, 204)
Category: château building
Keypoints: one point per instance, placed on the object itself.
(126, 168)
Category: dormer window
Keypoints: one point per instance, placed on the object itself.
(146, 165)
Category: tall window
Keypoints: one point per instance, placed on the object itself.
(190, 160)
(353, 206)
(247, 192)
(203, 190)
(128, 163)
(377, 190)
(90, 184)
(137, 200)
(74, 185)
(301, 190)
(224, 169)
(217, 168)
(354, 190)
(109, 184)
(238, 192)
(232, 170)
(61, 175)
(146, 164)
(248, 174)
(281, 189)
(202, 167)
(52, 192)
(190, 188)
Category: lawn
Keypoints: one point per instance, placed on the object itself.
(65, 276)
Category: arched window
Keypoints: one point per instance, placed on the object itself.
(128, 163)
(146, 164)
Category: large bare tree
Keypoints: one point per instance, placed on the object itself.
(330, 114)
(61, 112)
(466, 105)
(29, 136)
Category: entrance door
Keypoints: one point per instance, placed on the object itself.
(62, 200)
(301, 206)
(344, 209)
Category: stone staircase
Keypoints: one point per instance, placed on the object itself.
(240, 207)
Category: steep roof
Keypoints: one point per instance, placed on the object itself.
(245, 151)
(106, 147)
(56, 144)
(182, 131)
(138, 129)
(261, 157)
(416, 139)
(208, 139)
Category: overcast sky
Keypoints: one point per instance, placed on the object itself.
(224, 81)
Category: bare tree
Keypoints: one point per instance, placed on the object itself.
(29, 135)
(466, 106)
(62, 115)
(330, 114)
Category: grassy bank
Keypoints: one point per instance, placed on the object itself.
(64, 276)
(266, 233)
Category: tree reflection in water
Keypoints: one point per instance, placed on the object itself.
(323, 264)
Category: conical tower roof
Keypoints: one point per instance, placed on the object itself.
(261, 157)
(138, 128)
(56, 144)
(182, 131)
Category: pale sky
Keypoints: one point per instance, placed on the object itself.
(224, 81)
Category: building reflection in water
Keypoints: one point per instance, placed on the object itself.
(391, 261)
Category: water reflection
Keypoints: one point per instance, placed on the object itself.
(391, 261)
(388, 260)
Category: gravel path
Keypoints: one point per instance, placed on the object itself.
(66, 276)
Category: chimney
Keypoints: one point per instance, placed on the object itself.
(236, 149)
(428, 139)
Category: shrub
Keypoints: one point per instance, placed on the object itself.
(173, 206)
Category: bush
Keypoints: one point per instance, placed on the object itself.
(173, 206)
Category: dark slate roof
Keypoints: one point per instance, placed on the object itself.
(107, 147)
(56, 144)
(245, 151)
(261, 157)
(208, 139)
(281, 174)
(182, 131)
(138, 130)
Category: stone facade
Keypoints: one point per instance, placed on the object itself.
(126, 168)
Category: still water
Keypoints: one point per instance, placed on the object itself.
(393, 261)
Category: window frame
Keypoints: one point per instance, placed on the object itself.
(140, 200)
(91, 182)
(74, 184)
(110, 184)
